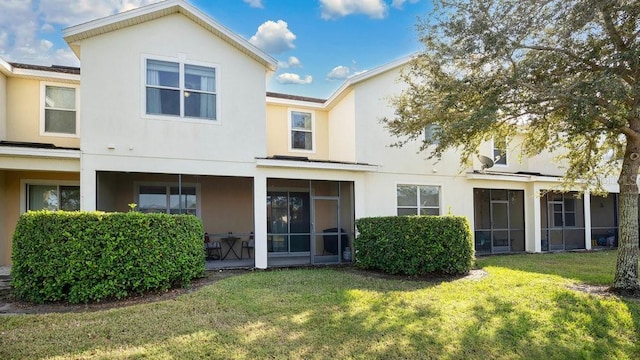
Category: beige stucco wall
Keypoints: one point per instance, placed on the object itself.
(23, 114)
(278, 132)
(3, 107)
(11, 206)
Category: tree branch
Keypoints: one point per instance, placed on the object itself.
(611, 30)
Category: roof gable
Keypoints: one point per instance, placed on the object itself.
(74, 34)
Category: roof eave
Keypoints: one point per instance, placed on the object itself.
(74, 34)
(350, 82)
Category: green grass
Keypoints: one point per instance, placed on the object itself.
(522, 309)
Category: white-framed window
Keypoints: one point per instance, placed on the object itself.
(500, 150)
(301, 130)
(180, 89)
(51, 195)
(167, 198)
(418, 199)
(59, 109)
(429, 134)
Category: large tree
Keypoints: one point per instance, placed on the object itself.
(562, 74)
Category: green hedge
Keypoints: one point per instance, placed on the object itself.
(80, 257)
(415, 245)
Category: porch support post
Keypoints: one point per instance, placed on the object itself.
(537, 221)
(260, 220)
(587, 220)
(88, 189)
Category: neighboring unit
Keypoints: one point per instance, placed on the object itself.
(168, 111)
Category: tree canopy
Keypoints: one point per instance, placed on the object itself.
(563, 74)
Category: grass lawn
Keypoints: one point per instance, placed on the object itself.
(523, 308)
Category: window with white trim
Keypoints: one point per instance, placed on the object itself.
(53, 197)
(59, 109)
(301, 126)
(181, 90)
(500, 150)
(418, 200)
(167, 199)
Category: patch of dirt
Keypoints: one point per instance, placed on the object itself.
(600, 290)
(10, 306)
(474, 274)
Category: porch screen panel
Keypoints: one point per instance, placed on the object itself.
(299, 209)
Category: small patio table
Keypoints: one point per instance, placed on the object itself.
(230, 241)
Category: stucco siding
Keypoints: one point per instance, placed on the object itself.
(3, 107)
(113, 76)
(12, 188)
(342, 130)
(24, 113)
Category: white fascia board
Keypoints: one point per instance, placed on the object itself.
(45, 75)
(5, 67)
(295, 103)
(149, 12)
(513, 177)
(34, 152)
(315, 165)
(365, 76)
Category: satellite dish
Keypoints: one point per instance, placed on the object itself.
(485, 161)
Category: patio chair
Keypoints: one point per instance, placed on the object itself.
(213, 249)
(248, 244)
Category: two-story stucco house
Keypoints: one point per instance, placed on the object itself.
(169, 110)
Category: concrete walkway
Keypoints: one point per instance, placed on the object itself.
(5, 270)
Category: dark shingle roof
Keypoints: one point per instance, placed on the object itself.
(295, 97)
(52, 68)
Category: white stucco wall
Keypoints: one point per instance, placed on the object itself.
(115, 132)
(342, 129)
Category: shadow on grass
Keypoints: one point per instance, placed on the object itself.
(595, 268)
(324, 313)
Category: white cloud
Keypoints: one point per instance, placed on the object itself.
(339, 73)
(331, 9)
(292, 62)
(48, 28)
(65, 12)
(274, 37)
(255, 3)
(289, 78)
(25, 23)
(399, 3)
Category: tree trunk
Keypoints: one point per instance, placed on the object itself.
(626, 278)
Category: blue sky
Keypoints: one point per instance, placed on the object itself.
(319, 43)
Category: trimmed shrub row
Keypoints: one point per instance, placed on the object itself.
(81, 257)
(415, 245)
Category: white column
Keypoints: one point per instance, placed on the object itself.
(359, 197)
(260, 220)
(87, 189)
(537, 221)
(587, 220)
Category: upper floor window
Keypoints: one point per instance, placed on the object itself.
(430, 134)
(418, 200)
(500, 150)
(181, 90)
(301, 127)
(59, 110)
